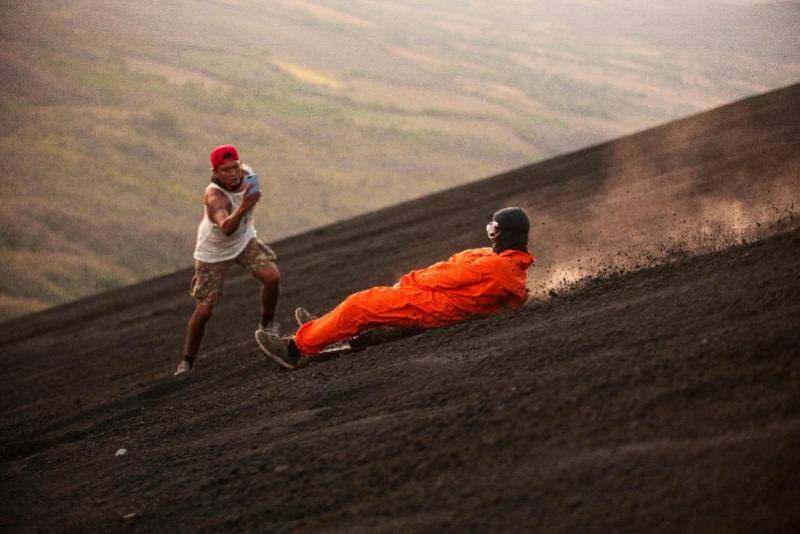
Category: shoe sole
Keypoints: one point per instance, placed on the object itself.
(299, 319)
(276, 358)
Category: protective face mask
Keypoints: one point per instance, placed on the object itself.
(492, 230)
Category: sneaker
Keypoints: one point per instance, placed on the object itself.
(302, 316)
(183, 367)
(272, 327)
(277, 348)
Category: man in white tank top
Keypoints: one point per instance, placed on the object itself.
(227, 235)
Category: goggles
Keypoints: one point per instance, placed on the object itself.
(492, 230)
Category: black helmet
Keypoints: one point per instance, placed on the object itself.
(512, 220)
(510, 229)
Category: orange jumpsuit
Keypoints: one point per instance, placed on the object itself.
(471, 283)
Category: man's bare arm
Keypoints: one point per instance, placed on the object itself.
(218, 207)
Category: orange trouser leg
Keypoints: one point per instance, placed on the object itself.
(364, 310)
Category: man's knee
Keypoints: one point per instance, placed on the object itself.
(203, 311)
(269, 276)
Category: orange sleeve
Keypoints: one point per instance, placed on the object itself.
(459, 271)
(442, 275)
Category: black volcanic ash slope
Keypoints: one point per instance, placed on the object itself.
(666, 399)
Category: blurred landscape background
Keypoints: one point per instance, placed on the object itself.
(108, 109)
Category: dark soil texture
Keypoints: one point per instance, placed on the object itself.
(661, 392)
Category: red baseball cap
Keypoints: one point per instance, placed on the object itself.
(223, 153)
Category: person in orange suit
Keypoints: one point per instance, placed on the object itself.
(471, 283)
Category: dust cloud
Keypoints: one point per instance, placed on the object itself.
(694, 187)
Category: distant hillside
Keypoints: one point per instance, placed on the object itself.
(661, 399)
(108, 110)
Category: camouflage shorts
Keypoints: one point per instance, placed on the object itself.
(209, 278)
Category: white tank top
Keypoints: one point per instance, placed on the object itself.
(212, 245)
